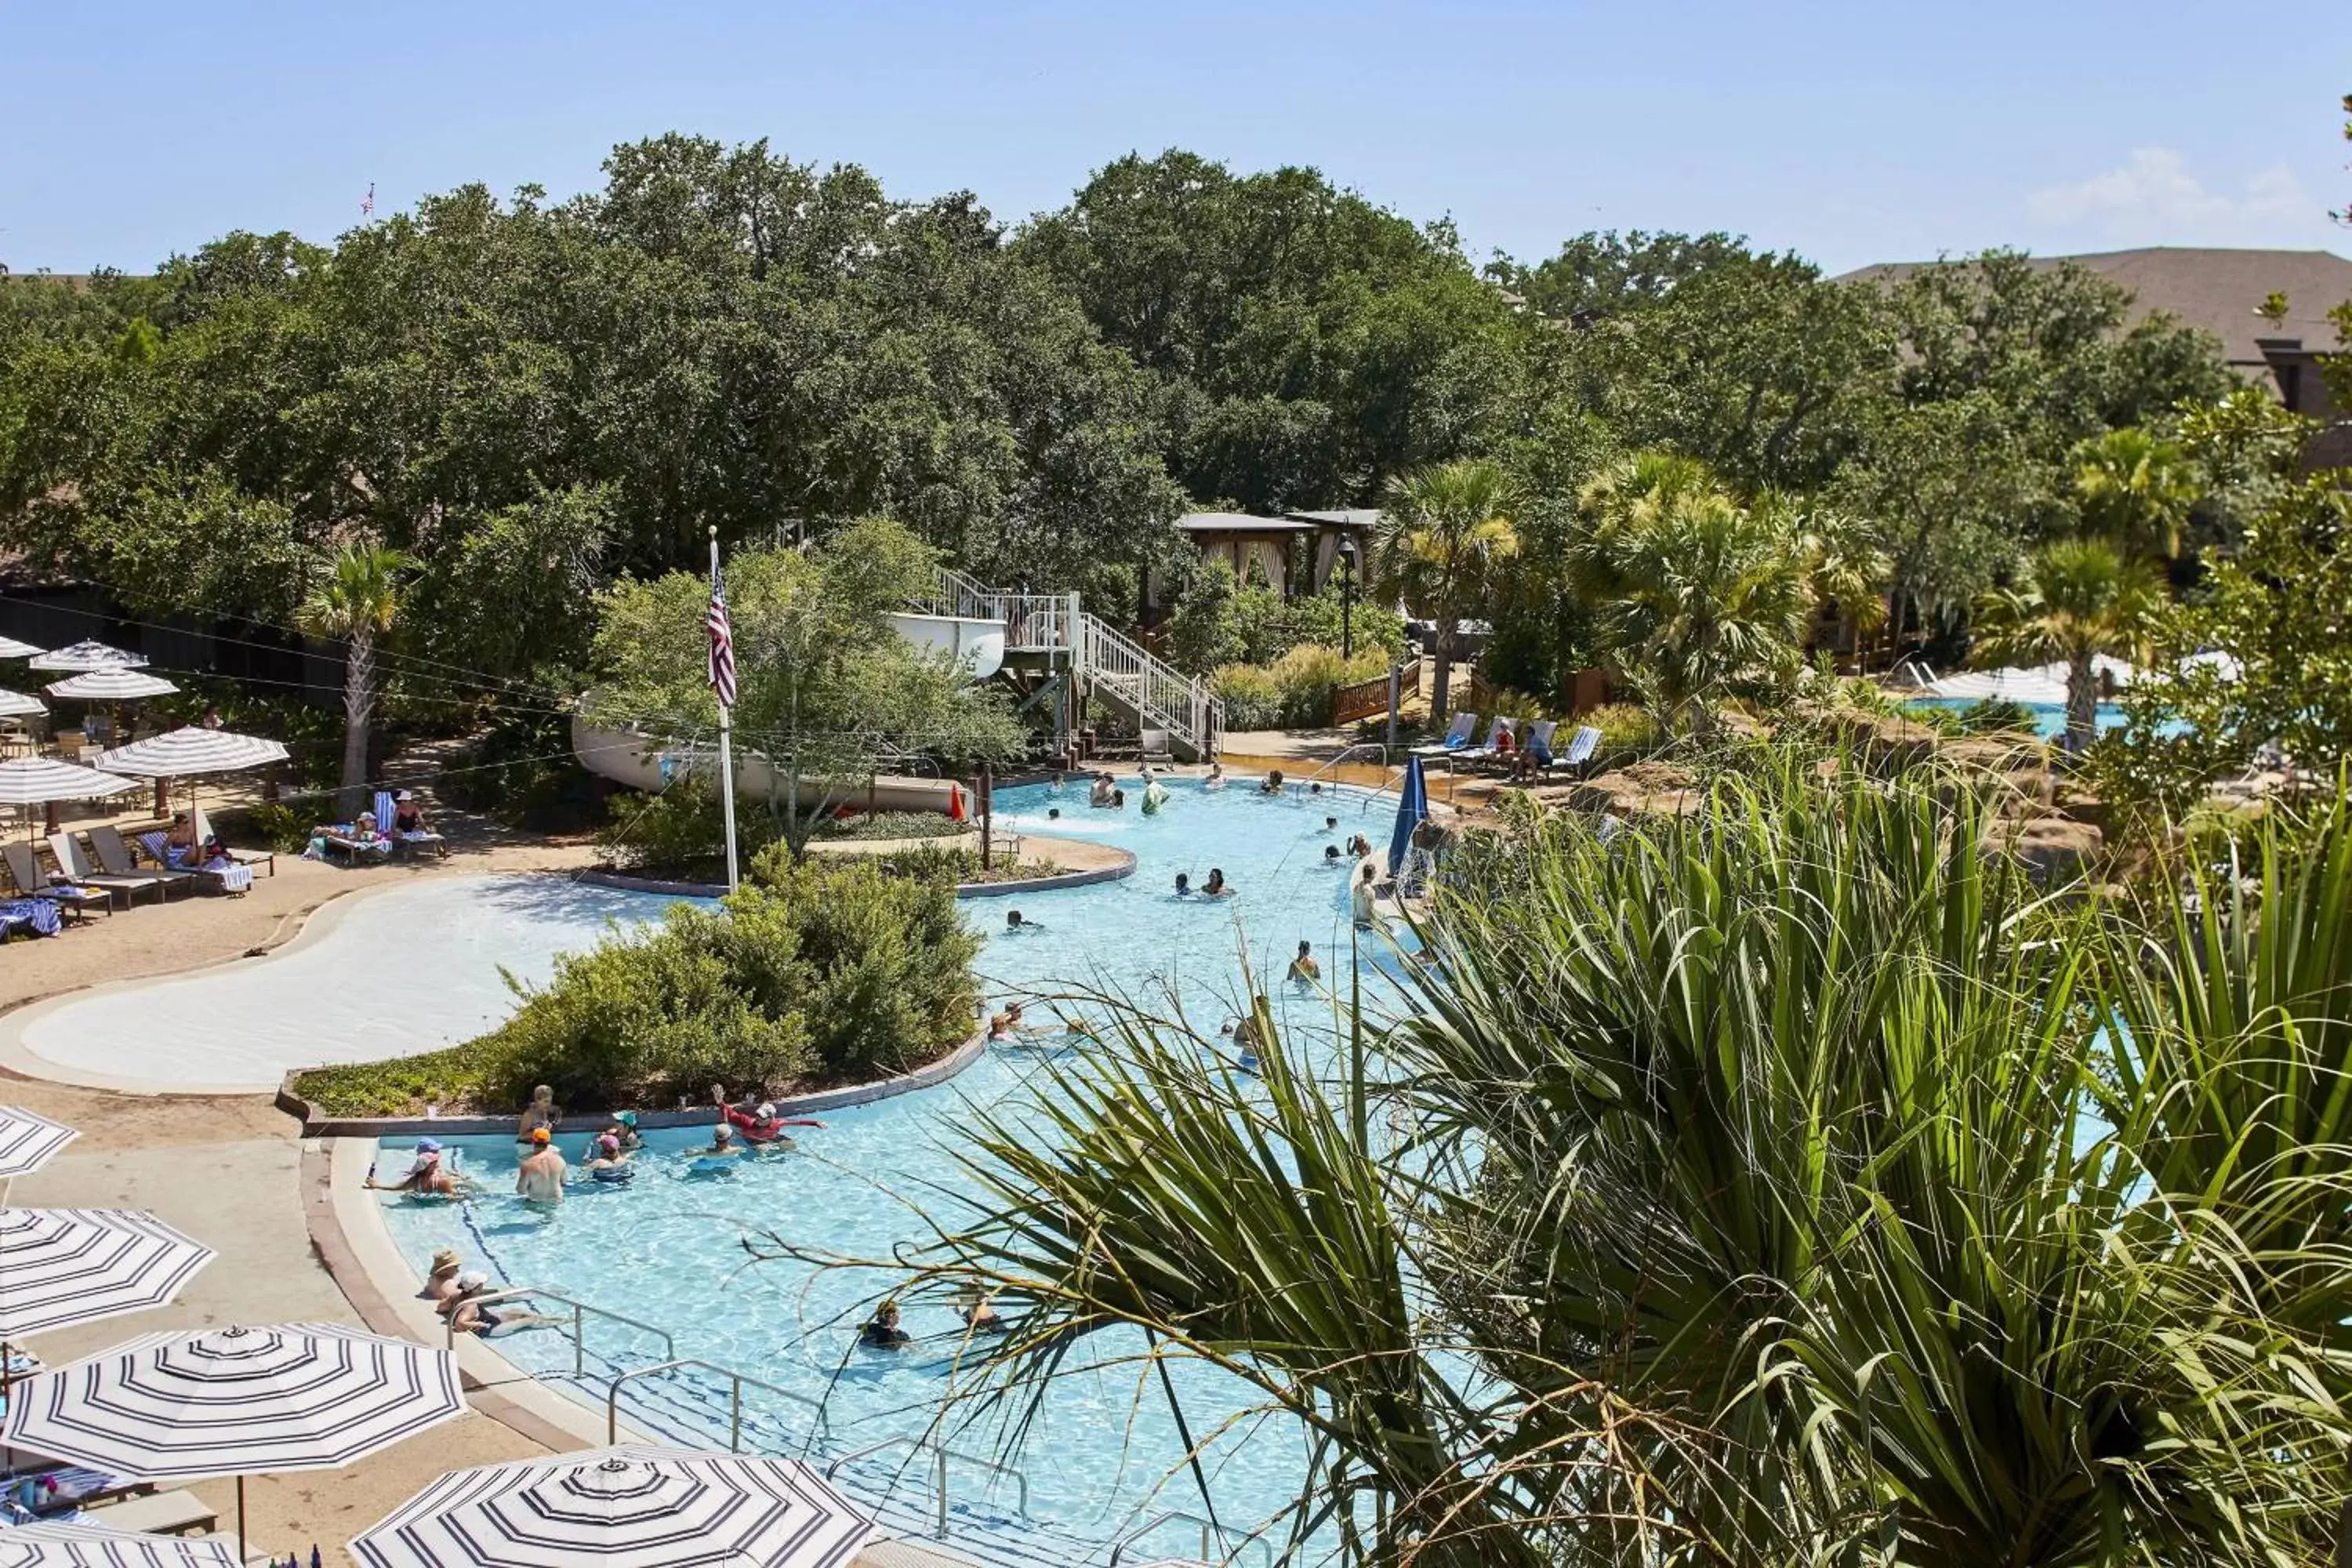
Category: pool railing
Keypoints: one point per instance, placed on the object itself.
(1213, 1536)
(941, 1454)
(581, 1312)
(736, 1383)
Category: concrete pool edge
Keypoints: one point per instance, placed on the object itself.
(623, 882)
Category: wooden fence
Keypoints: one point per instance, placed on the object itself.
(1370, 699)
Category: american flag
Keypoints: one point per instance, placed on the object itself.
(722, 643)
(367, 203)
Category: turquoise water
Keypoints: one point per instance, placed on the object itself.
(2049, 718)
(669, 1248)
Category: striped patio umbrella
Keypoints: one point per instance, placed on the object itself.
(35, 781)
(47, 1545)
(237, 1401)
(87, 654)
(183, 752)
(112, 683)
(622, 1508)
(72, 1265)
(11, 649)
(27, 1139)
(17, 705)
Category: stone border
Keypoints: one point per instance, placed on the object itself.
(1126, 868)
(317, 1123)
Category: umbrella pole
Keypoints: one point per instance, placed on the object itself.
(240, 1519)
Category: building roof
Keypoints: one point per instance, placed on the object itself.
(1346, 517)
(1239, 522)
(2209, 287)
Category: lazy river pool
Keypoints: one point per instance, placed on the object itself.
(668, 1248)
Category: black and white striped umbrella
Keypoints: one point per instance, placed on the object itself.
(72, 1265)
(27, 1139)
(11, 649)
(87, 654)
(239, 1400)
(50, 1545)
(622, 1508)
(181, 752)
(32, 780)
(112, 683)
(16, 705)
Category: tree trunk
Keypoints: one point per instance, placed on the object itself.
(2082, 704)
(1438, 709)
(359, 708)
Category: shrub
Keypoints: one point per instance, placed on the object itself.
(890, 825)
(271, 822)
(1626, 730)
(1252, 699)
(1305, 679)
(1997, 715)
(882, 969)
(680, 830)
(521, 772)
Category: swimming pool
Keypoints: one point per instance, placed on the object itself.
(381, 974)
(667, 1249)
(2049, 718)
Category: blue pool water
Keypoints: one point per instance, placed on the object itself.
(668, 1248)
(2049, 718)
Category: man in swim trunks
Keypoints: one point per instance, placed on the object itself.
(760, 1128)
(539, 1179)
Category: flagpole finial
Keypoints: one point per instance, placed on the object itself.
(714, 532)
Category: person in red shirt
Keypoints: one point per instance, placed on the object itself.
(761, 1127)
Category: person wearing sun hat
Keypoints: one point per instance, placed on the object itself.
(441, 1282)
(426, 1175)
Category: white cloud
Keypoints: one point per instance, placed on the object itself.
(2154, 198)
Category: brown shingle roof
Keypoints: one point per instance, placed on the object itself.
(2212, 288)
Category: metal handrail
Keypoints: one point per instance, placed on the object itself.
(939, 1472)
(580, 1311)
(736, 1381)
(1210, 1529)
(1345, 753)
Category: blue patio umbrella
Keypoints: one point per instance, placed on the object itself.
(1411, 811)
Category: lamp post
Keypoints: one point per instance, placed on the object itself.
(1347, 597)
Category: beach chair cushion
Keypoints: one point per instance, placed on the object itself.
(228, 875)
(114, 858)
(159, 1514)
(1581, 749)
(386, 808)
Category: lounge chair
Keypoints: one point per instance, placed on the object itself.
(1538, 742)
(25, 870)
(114, 858)
(1475, 756)
(233, 877)
(345, 836)
(257, 858)
(1155, 747)
(77, 869)
(1465, 725)
(403, 842)
(1578, 755)
(158, 1513)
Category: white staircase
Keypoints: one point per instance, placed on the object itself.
(1101, 660)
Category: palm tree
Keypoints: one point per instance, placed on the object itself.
(1441, 537)
(2136, 486)
(356, 602)
(2077, 600)
(1702, 596)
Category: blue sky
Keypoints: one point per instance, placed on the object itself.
(1850, 132)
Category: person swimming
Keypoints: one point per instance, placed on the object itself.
(1155, 795)
(1183, 886)
(761, 1127)
(426, 1175)
(607, 1162)
(1053, 814)
(1360, 896)
(978, 1310)
(1358, 846)
(1013, 921)
(882, 1331)
(1100, 791)
(1304, 970)
(1215, 886)
(1314, 786)
(1118, 800)
(1330, 856)
(1330, 825)
(1272, 782)
(1216, 779)
(540, 1113)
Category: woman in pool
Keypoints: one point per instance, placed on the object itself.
(882, 1331)
(1272, 782)
(978, 1310)
(1118, 800)
(1100, 792)
(1183, 886)
(606, 1164)
(540, 1113)
(1358, 846)
(427, 1176)
(1304, 970)
(1216, 886)
(1216, 779)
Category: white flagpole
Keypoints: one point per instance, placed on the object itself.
(726, 754)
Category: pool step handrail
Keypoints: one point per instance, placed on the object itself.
(941, 1454)
(1212, 1535)
(736, 1382)
(1348, 752)
(581, 1312)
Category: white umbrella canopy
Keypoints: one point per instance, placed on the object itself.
(59, 1266)
(112, 683)
(16, 705)
(36, 781)
(29, 1141)
(630, 1506)
(58, 1545)
(11, 649)
(191, 751)
(87, 654)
